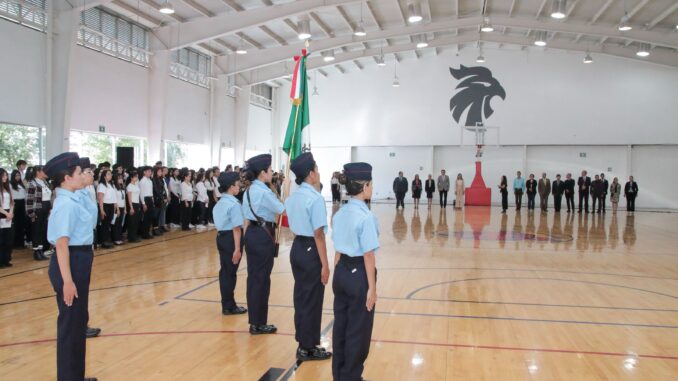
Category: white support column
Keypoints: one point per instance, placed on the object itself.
(223, 120)
(157, 86)
(276, 133)
(61, 39)
(242, 111)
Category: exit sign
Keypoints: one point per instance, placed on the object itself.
(582, 154)
(391, 154)
(102, 128)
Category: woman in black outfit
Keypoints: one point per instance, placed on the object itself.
(430, 188)
(159, 198)
(416, 191)
(504, 194)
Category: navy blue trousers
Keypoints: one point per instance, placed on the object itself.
(308, 291)
(260, 251)
(352, 329)
(72, 321)
(228, 271)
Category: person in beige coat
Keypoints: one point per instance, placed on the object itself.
(544, 189)
(459, 190)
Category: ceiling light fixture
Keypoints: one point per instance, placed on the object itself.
(396, 82)
(304, 28)
(414, 13)
(421, 41)
(166, 8)
(643, 50)
(380, 60)
(241, 48)
(624, 24)
(328, 56)
(559, 9)
(486, 27)
(360, 30)
(588, 59)
(540, 40)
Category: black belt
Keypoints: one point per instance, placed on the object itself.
(351, 260)
(304, 238)
(265, 224)
(80, 247)
(224, 232)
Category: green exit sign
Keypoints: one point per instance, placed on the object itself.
(102, 128)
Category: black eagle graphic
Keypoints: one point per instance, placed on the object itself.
(475, 92)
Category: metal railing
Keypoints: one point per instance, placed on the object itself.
(24, 13)
(189, 75)
(100, 42)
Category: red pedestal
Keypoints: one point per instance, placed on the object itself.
(478, 194)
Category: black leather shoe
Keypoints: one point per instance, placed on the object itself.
(237, 310)
(314, 354)
(7, 264)
(265, 329)
(38, 255)
(93, 332)
(136, 240)
(157, 232)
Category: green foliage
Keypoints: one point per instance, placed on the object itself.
(18, 142)
(175, 154)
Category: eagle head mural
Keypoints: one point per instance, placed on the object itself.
(475, 91)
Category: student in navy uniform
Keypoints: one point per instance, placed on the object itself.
(229, 221)
(87, 197)
(260, 207)
(307, 218)
(71, 230)
(356, 240)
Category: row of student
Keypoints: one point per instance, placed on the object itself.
(597, 190)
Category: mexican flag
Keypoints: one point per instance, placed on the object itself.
(299, 117)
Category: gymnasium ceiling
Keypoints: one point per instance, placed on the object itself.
(268, 30)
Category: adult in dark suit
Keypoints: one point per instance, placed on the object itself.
(400, 187)
(430, 188)
(631, 192)
(558, 188)
(569, 192)
(584, 185)
(596, 189)
(531, 185)
(544, 188)
(603, 195)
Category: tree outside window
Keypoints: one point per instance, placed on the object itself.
(20, 142)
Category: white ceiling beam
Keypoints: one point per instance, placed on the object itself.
(209, 49)
(197, 7)
(225, 44)
(201, 30)
(142, 15)
(370, 9)
(291, 25)
(402, 12)
(233, 5)
(322, 72)
(637, 8)
(663, 15)
(278, 54)
(541, 8)
(280, 70)
(345, 17)
(340, 69)
(87, 5)
(596, 17)
(358, 65)
(456, 8)
(273, 35)
(323, 26)
(250, 40)
(513, 8)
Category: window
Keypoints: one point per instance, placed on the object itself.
(101, 147)
(191, 66)
(30, 13)
(262, 96)
(21, 142)
(189, 155)
(227, 157)
(113, 35)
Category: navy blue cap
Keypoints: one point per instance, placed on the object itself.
(226, 179)
(302, 165)
(61, 162)
(84, 162)
(259, 162)
(358, 171)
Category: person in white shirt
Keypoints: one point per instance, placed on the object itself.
(6, 217)
(38, 206)
(133, 207)
(186, 200)
(146, 194)
(201, 201)
(120, 201)
(175, 197)
(21, 236)
(106, 196)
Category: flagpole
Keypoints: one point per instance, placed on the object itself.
(283, 196)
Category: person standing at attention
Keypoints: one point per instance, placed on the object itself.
(518, 189)
(443, 188)
(400, 186)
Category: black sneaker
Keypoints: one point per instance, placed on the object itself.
(237, 310)
(93, 332)
(317, 353)
(265, 329)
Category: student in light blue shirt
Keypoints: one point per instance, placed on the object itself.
(229, 221)
(70, 230)
(307, 218)
(518, 189)
(356, 240)
(260, 207)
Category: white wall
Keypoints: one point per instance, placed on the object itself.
(23, 72)
(187, 112)
(108, 92)
(654, 169)
(551, 98)
(259, 129)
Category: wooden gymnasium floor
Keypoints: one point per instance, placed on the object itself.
(471, 295)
